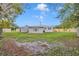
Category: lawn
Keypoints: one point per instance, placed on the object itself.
(50, 37)
(53, 37)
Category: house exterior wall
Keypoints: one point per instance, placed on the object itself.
(23, 29)
(49, 30)
(38, 30)
(6, 30)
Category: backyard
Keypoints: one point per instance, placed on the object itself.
(62, 43)
(50, 37)
(28, 29)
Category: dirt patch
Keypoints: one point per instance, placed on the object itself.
(10, 46)
(28, 48)
(72, 43)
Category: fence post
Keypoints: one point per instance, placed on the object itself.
(1, 33)
(77, 31)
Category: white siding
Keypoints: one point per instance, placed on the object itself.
(36, 29)
(48, 30)
(23, 29)
(32, 30)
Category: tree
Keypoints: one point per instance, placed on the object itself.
(69, 15)
(8, 11)
(5, 23)
(14, 26)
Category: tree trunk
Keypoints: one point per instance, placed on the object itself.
(1, 33)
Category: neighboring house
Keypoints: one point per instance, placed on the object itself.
(36, 29)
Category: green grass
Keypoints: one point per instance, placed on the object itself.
(50, 37)
(62, 51)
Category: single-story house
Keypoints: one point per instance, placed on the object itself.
(36, 29)
(23, 29)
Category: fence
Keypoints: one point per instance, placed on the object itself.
(65, 30)
(53, 30)
(9, 30)
(6, 30)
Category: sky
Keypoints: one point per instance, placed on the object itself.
(36, 14)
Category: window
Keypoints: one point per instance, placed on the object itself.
(35, 29)
(49, 28)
